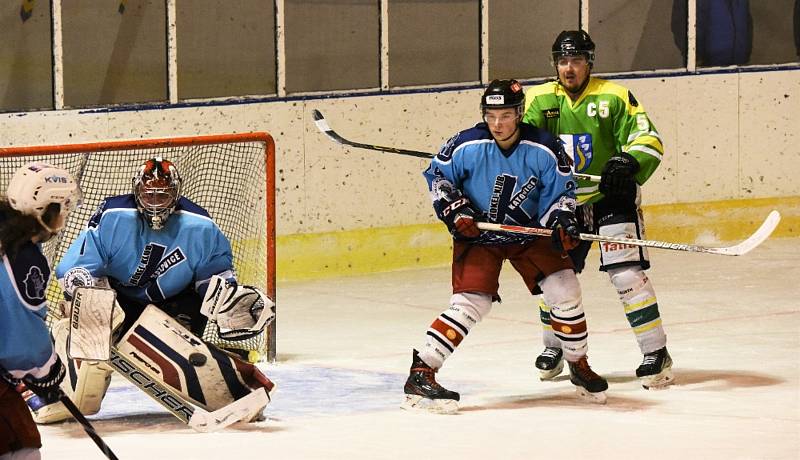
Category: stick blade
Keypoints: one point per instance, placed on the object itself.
(758, 237)
(317, 115)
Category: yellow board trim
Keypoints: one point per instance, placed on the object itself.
(365, 251)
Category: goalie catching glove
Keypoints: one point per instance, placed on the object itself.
(240, 312)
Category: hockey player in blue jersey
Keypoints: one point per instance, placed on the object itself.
(508, 172)
(152, 247)
(39, 198)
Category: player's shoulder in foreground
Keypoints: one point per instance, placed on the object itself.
(476, 134)
(533, 134)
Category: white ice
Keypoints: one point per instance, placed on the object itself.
(344, 348)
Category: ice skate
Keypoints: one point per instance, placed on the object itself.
(423, 393)
(550, 363)
(656, 370)
(589, 386)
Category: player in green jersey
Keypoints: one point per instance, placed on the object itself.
(608, 133)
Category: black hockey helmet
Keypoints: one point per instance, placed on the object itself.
(503, 94)
(573, 43)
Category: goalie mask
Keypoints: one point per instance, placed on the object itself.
(157, 188)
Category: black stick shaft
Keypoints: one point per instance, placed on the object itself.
(88, 428)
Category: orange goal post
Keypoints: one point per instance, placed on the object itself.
(232, 176)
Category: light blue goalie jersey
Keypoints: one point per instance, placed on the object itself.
(145, 265)
(25, 344)
(520, 186)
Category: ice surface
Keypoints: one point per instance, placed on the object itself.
(344, 348)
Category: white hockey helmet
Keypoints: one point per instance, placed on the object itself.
(157, 188)
(37, 185)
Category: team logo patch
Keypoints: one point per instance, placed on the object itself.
(551, 113)
(34, 283)
(77, 277)
(580, 147)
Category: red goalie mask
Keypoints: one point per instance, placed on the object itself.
(157, 188)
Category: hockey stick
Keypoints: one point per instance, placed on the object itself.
(196, 417)
(760, 235)
(323, 126)
(87, 427)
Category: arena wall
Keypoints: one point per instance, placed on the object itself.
(732, 151)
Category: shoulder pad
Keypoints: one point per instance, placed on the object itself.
(31, 273)
(479, 131)
(185, 204)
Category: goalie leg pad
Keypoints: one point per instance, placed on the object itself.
(200, 372)
(85, 383)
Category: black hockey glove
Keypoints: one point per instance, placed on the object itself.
(566, 232)
(459, 216)
(618, 181)
(47, 387)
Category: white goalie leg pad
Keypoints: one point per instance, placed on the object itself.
(86, 382)
(240, 311)
(562, 292)
(451, 327)
(641, 306)
(200, 372)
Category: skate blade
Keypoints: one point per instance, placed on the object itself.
(552, 373)
(434, 406)
(659, 381)
(594, 398)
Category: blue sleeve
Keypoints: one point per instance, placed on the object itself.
(218, 259)
(25, 344)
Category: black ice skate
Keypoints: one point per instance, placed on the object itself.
(422, 391)
(550, 363)
(656, 369)
(588, 384)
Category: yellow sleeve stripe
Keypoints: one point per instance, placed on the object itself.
(645, 149)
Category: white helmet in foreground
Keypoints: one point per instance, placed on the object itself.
(36, 186)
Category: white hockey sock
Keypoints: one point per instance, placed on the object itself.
(641, 307)
(562, 292)
(452, 325)
(548, 336)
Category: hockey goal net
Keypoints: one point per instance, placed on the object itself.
(231, 176)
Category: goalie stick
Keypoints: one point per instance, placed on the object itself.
(196, 417)
(758, 237)
(323, 126)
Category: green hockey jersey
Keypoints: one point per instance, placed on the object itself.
(606, 119)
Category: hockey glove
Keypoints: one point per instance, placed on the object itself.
(47, 387)
(618, 181)
(566, 233)
(459, 216)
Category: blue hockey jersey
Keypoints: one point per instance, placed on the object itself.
(25, 344)
(520, 186)
(145, 265)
